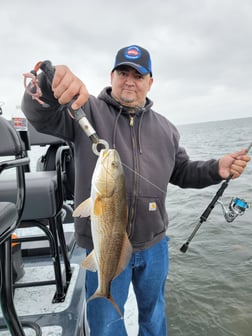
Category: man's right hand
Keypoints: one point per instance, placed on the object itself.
(66, 86)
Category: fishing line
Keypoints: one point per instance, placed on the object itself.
(144, 178)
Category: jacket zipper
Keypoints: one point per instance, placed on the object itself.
(135, 168)
(132, 118)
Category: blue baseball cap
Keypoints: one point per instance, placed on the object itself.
(135, 57)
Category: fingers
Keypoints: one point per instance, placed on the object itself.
(238, 154)
(236, 170)
(66, 86)
(82, 98)
(239, 165)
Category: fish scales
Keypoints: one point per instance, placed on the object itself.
(108, 236)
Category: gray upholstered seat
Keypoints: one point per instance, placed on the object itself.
(8, 218)
(38, 185)
(43, 208)
(10, 214)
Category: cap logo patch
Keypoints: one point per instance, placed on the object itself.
(132, 53)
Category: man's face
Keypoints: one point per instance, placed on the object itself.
(129, 87)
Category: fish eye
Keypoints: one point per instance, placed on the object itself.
(114, 164)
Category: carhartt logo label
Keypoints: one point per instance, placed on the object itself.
(152, 206)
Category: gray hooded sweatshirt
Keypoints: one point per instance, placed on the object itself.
(148, 145)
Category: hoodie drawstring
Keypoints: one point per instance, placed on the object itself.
(139, 131)
(115, 127)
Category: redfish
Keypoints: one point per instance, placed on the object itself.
(107, 208)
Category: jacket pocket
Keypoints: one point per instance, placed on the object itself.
(150, 220)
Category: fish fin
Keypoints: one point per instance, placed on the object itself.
(89, 262)
(115, 305)
(98, 206)
(97, 295)
(83, 209)
(126, 253)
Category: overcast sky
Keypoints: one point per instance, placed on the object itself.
(201, 49)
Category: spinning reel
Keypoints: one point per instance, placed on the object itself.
(237, 207)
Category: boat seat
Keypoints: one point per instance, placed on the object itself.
(38, 185)
(10, 216)
(8, 221)
(43, 209)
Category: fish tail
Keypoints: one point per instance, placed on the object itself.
(110, 299)
(115, 306)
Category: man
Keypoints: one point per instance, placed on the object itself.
(148, 145)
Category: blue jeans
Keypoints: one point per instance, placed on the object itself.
(148, 271)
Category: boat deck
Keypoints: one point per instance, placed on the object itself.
(34, 304)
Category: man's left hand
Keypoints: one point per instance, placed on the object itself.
(233, 164)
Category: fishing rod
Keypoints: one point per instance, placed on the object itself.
(237, 207)
(79, 115)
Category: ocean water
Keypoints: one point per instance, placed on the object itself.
(209, 288)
